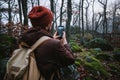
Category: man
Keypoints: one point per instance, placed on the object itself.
(52, 54)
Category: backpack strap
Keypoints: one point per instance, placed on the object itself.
(39, 41)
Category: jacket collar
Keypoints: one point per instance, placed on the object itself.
(46, 33)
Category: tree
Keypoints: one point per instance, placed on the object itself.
(115, 15)
(20, 11)
(0, 16)
(79, 15)
(32, 2)
(9, 11)
(97, 21)
(82, 18)
(52, 9)
(87, 6)
(104, 4)
(38, 2)
(93, 13)
(55, 14)
(68, 21)
(25, 9)
(0, 19)
(61, 12)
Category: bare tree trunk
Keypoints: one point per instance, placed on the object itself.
(104, 13)
(68, 21)
(0, 20)
(87, 26)
(9, 12)
(32, 2)
(93, 18)
(38, 3)
(97, 23)
(114, 14)
(20, 11)
(61, 12)
(55, 19)
(24, 8)
(52, 9)
(105, 19)
(82, 18)
(79, 16)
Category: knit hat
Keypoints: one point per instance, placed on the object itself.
(40, 16)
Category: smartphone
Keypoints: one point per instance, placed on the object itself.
(60, 31)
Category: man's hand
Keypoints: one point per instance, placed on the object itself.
(63, 39)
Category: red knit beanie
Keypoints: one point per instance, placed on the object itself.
(40, 16)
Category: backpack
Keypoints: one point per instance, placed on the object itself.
(22, 64)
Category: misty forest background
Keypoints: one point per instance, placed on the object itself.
(92, 32)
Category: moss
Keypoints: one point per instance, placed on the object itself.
(77, 35)
(104, 56)
(88, 78)
(114, 67)
(96, 67)
(75, 47)
(117, 50)
(94, 51)
(78, 61)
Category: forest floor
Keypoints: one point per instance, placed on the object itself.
(91, 63)
(98, 65)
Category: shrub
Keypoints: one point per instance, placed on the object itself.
(75, 47)
(7, 45)
(99, 43)
(116, 56)
(3, 67)
(88, 36)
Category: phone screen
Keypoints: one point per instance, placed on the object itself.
(60, 30)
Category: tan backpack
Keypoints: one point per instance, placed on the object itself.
(22, 64)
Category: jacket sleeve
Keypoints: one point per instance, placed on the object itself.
(64, 54)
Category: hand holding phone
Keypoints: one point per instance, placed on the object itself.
(60, 34)
(60, 31)
(63, 39)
